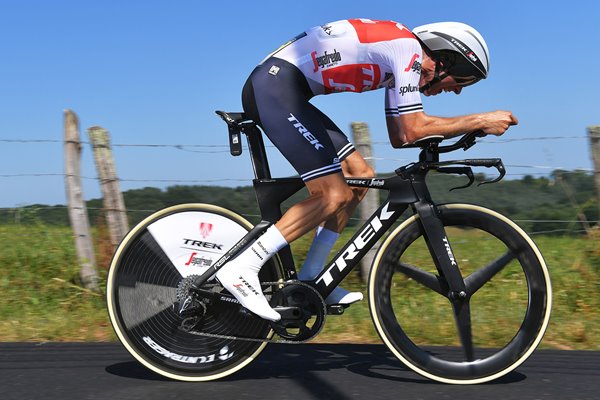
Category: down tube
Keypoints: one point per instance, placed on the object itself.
(362, 241)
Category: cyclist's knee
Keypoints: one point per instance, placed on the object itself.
(356, 165)
(367, 170)
(332, 193)
(336, 199)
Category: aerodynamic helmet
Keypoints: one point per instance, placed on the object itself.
(459, 47)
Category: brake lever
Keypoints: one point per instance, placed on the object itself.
(458, 170)
(501, 170)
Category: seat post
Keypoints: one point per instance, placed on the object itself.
(258, 154)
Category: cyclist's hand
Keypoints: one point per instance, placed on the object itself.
(497, 122)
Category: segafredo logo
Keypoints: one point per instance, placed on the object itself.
(361, 241)
(326, 59)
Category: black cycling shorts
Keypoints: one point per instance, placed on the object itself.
(276, 96)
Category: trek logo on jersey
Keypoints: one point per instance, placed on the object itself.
(205, 229)
(351, 78)
(408, 89)
(304, 132)
(325, 59)
(414, 65)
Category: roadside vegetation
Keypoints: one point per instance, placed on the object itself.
(42, 299)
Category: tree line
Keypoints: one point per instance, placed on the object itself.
(555, 203)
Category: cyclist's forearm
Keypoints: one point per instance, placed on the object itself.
(411, 127)
(408, 128)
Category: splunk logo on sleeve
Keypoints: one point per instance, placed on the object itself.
(408, 89)
(304, 132)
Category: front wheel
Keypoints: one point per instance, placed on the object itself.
(477, 338)
(147, 274)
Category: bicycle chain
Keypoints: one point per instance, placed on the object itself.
(246, 339)
(272, 341)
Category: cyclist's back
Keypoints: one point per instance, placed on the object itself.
(354, 55)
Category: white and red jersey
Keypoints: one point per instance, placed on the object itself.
(357, 55)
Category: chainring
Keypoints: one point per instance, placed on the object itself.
(309, 318)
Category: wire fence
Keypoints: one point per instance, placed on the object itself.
(221, 149)
(571, 226)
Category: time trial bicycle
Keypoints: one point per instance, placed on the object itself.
(440, 262)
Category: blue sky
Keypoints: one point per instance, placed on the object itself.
(153, 72)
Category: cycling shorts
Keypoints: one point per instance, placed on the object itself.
(276, 96)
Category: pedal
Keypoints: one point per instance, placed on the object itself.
(336, 309)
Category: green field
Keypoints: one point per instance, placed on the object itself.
(42, 299)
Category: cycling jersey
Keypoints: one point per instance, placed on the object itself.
(358, 55)
(353, 55)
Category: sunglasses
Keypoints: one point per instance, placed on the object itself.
(465, 80)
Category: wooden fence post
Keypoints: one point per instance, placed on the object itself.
(76, 206)
(362, 143)
(112, 198)
(594, 133)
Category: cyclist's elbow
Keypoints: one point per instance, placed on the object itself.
(405, 129)
(404, 135)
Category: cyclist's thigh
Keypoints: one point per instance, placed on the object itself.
(342, 145)
(279, 103)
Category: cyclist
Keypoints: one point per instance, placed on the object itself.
(354, 55)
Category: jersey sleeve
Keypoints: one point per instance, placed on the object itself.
(402, 95)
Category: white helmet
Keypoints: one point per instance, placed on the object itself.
(459, 47)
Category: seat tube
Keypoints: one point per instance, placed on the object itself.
(258, 154)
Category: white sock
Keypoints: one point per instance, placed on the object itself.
(315, 260)
(317, 254)
(240, 276)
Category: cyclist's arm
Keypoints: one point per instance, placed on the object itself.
(407, 128)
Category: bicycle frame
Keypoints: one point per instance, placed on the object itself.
(406, 189)
(175, 324)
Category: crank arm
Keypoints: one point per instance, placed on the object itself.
(288, 313)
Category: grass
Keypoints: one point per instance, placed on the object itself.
(42, 299)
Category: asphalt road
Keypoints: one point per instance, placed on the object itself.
(310, 371)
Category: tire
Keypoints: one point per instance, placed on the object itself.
(144, 275)
(509, 314)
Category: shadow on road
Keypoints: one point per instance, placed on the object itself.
(306, 364)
